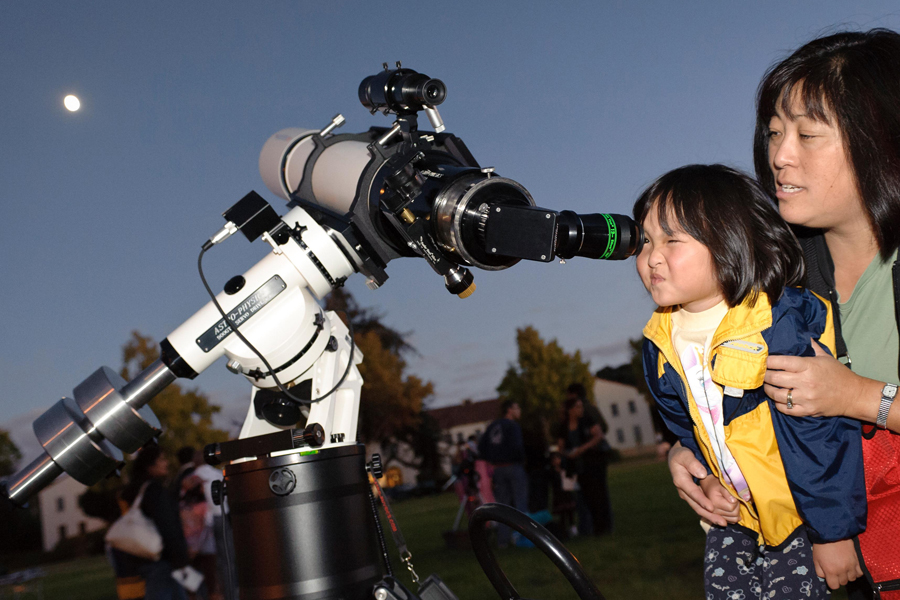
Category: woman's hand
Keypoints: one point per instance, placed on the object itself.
(684, 466)
(836, 563)
(820, 386)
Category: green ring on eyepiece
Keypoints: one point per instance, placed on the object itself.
(613, 236)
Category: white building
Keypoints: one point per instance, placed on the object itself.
(61, 517)
(627, 414)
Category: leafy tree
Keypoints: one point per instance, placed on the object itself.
(624, 373)
(9, 454)
(391, 401)
(20, 528)
(539, 379)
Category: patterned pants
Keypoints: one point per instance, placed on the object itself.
(736, 568)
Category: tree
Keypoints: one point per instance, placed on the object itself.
(20, 528)
(624, 373)
(391, 401)
(539, 379)
(9, 454)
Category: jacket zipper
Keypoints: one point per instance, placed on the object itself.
(698, 423)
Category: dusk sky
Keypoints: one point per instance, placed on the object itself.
(583, 103)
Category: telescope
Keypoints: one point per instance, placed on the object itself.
(398, 191)
(296, 479)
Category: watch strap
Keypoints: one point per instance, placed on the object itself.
(887, 399)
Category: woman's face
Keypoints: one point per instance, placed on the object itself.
(160, 468)
(814, 180)
(577, 410)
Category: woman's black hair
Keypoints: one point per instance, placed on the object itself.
(850, 80)
(145, 459)
(753, 249)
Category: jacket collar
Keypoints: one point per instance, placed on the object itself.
(740, 322)
(747, 318)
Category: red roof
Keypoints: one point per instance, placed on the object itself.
(466, 413)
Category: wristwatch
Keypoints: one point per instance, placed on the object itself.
(887, 398)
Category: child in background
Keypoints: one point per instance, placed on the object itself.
(718, 259)
(564, 486)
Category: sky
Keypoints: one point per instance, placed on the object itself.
(583, 103)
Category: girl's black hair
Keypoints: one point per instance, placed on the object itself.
(753, 249)
(850, 80)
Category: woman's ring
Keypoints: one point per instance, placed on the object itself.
(790, 399)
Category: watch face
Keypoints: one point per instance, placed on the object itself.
(889, 391)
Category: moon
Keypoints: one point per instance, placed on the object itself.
(72, 103)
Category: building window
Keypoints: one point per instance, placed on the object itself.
(60, 504)
(62, 532)
(638, 435)
(620, 435)
(631, 407)
(615, 409)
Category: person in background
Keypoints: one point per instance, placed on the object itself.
(198, 514)
(579, 438)
(151, 467)
(186, 466)
(501, 445)
(563, 496)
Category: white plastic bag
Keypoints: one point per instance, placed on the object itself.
(135, 534)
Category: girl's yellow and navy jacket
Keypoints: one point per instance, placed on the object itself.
(800, 470)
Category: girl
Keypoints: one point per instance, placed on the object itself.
(717, 259)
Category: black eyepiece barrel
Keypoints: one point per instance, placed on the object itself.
(421, 90)
(401, 91)
(603, 236)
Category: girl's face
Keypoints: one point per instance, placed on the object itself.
(677, 269)
(814, 179)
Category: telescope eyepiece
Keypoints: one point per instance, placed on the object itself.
(603, 236)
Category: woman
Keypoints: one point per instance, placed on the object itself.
(827, 147)
(579, 437)
(151, 467)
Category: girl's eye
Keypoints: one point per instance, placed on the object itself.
(806, 136)
(772, 133)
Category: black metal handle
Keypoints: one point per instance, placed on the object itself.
(539, 536)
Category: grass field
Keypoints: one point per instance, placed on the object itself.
(656, 550)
